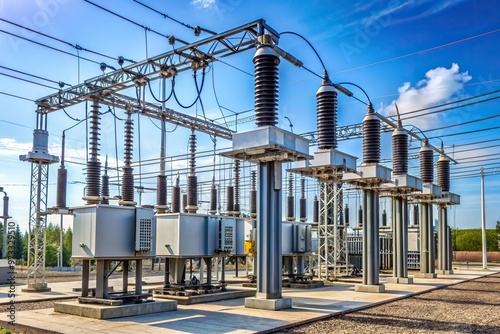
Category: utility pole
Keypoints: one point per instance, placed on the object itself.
(5, 216)
(483, 222)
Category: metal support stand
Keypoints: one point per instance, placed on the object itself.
(125, 267)
(166, 280)
(208, 262)
(138, 276)
(101, 288)
(85, 277)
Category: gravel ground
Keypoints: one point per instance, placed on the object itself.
(469, 307)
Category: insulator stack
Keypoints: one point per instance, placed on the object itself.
(360, 216)
(62, 179)
(290, 200)
(266, 85)
(127, 176)
(229, 200)
(346, 215)
(315, 209)
(184, 202)
(105, 184)
(303, 201)
(400, 152)
(192, 153)
(161, 193)
(93, 164)
(426, 163)
(253, 194)
(176, 196)
(384, 218)
(326, 107)
(443, 173)
(213, 199)
(236, 208)
(371, 137)
(127, 187)
(192, 194)
(192, 180)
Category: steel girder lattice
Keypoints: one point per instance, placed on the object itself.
(332, 236)
(37, 223)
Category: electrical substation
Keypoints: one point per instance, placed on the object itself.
(238, 202)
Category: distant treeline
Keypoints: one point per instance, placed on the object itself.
(471, 240)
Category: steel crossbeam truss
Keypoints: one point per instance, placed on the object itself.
(37, 223)
(332, 236)
(193, 56)
(132, 105)
(188, 57)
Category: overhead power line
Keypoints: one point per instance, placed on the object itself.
(133, 22)
(196, 29)
(76, 46)
(451, 108)
(26, 80)
(50, 47)
(17, 96)
(419, 52)
(35, 76)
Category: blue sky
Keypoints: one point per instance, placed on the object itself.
(417, 54)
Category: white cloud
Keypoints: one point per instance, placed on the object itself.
(9, 147)
(204, 3)
(439, 86)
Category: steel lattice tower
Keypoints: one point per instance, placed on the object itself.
(332, 239)
(40, 161)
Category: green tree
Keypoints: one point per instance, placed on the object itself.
(471, 240)
(24, 254)
(67, 243)
(18, 247)
(498, 233)
(51, 255)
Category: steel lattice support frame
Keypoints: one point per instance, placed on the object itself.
(332, 241)
(37, 223)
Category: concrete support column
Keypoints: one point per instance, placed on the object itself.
(449, 262)
(371, 246)
(269, 230)
(400, 241)
(444, 255)
(427, 253)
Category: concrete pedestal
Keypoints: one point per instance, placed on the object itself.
(268, 304)
(445, 272)
(109, 312)
(400, 280)
(425, 275)
(369, 288)
(39, 287)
